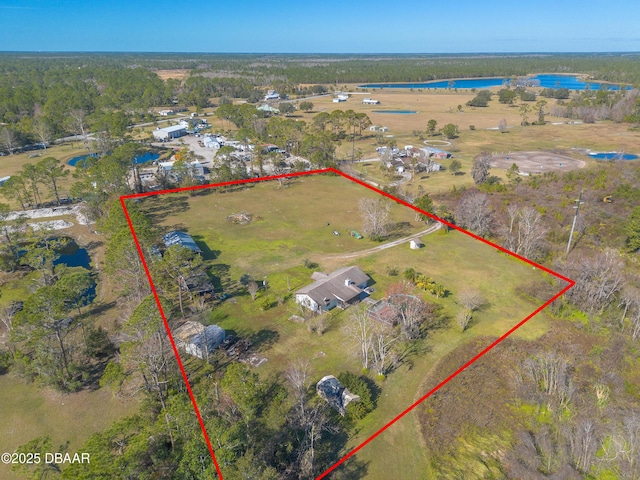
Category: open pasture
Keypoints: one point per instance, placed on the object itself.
(293, 227)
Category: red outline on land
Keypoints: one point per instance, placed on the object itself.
(570, 284)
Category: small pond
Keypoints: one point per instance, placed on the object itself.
(73, 255)
(144, 158)
(613, 156)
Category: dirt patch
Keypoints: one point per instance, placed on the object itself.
(536, 162)
(179, 74)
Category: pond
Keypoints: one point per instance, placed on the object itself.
(571, 82)
(72, 255)
(613, 156)
(144, 158)
(399, 112)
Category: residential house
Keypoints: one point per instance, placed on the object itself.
(370, 101)
(271, 95)
(341, 288)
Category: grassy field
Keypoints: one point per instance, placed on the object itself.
(293, 227)
(29, 411)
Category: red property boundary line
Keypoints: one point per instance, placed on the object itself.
(570, 284)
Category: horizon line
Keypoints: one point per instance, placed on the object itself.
(181, 52)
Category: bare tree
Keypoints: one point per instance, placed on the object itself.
(78, 124)
(375, 214)
(598, 279)
(474, 212)
(412, 312)
(8, 139)
(383, 339)
(623, 450)
(252, 288)
(471, 300)
(524, 231)
(480, 168)
(359, 328)
(43, 131)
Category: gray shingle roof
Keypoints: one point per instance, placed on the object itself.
(334, 285)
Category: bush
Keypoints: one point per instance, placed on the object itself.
(5, 362)
(361, 386)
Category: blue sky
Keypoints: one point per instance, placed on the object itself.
(404, 26)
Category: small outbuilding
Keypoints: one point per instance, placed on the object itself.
(181, 238)
(199, 340)
(331, 390)
(416, 244)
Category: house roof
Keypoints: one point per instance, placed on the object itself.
(334, 285)
(181, 238)
(198, 335)
(171, 129)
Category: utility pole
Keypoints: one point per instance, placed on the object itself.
(575, 218)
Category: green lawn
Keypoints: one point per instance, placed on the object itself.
(291, 227)
(29, 411)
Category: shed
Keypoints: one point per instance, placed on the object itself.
(199, 340)
(331, 390)
(181, 238)
(415, 244)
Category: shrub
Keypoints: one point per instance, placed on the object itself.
(362, 387)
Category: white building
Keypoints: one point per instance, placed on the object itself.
(210, 142)
(166, 133)
(166, 113)
(271, 95)
(370, 101)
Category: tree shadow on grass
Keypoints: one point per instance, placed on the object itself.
(263, 339)
(98, 308)
(159, 207)
(207, 253)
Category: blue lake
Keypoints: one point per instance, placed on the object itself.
(398, 112)
(546, 81)
(147, 157)
(613, 156)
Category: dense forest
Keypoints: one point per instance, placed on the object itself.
(45, 96)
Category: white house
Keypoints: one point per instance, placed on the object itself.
(166, 113)
(370, 101)
(166, 133)
(338, 289)
(340, 98)
(271, 95)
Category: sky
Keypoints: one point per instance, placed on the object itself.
(278, 26)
